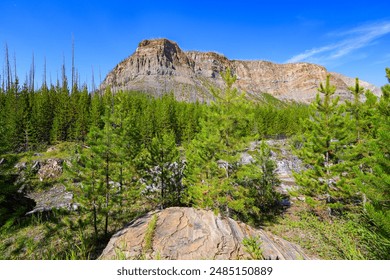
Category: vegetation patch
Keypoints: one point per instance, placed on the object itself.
(252, 245)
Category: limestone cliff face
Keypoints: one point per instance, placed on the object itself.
(160, 66)
(195, 234)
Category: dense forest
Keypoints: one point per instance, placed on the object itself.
(126, 153)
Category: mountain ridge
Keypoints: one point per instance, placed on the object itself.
(158, 66)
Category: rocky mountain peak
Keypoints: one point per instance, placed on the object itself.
(157, 44)
(163, 49)
(159, 66)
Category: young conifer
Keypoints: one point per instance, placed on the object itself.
(324, 136)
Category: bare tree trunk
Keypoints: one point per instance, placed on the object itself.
(44, 73)
(8, 69)
(95, 220)
(107, 196)
(93, 81)
(32, 74)
(73, 70)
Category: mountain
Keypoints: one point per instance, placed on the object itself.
(159, 66)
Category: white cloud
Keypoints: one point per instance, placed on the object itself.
(383, 60)
(350, 41)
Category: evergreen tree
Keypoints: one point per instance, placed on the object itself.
(213, 155)
(96, 192)
(3, 140)
(89, 191)
(375, 181)
(96, 111)
(259, 179)
(63, 114)
(13, 118)
(42, 116)
(81, 104)
(355, 109)
(323, 138)
(360, 118)
(162, 171)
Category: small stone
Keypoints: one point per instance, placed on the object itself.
(246, 158)
(21, 165)
(52, 149)
(285, 202)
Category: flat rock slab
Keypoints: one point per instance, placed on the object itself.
(194, 234)
(54, 198)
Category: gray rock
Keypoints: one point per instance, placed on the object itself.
(246, 158)
(52, 149)
(286, 164)
(21, 166)
(222, 163)
(54, 198)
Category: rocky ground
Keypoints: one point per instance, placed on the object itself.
(39, 181)
(180, 233)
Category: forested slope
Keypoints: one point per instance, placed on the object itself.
(127, 153)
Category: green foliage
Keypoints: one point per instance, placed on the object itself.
(374, 181)
(323, 138)
(162, 171)
(252, 245)
(259, 178)
(149, 234)
(215, 176)
(13, 204)
(346, 238)
(213, 155)
(351, 167)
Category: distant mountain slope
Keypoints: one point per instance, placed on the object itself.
(159, 66)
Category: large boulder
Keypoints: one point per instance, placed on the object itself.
(188, 233)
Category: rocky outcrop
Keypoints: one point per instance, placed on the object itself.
(50, 169)
(56, 197)
(53, 195)
(286, 164)
(160, 66)
(188, 233)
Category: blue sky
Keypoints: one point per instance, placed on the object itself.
(349, 37)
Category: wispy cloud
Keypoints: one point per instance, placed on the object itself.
(384, 59)
(347, 42)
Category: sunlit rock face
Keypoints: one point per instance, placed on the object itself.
(194, 234)
(160, 66)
